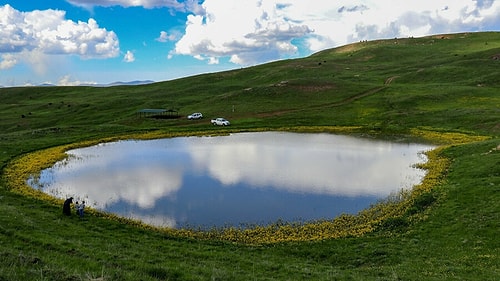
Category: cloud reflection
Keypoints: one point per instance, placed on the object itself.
(152, 219)
(319, 163)
(109, 173)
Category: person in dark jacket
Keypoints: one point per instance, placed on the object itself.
(67, 206)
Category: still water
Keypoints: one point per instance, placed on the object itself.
(236, 180)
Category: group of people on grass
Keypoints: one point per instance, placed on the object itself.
(79, 207)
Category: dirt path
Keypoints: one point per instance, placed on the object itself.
(345, 101)
(389, 80)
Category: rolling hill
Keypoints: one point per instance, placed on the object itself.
(442, 84)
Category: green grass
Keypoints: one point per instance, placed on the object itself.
(447, 84)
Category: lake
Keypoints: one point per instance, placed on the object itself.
(238, 180)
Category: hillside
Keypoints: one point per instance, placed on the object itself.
(385, 88)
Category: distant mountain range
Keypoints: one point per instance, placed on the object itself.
(118, 83)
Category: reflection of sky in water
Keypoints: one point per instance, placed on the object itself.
(242, 178)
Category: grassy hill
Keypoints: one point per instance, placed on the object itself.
(386, 88)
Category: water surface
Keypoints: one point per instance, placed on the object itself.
(236, 180)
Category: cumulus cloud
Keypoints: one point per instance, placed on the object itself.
(355, 8)
(129, 57)
(47, 32)
(349, 21)
(7, 61)
(67, 80)
(164, 37)
(257, 31)
(149, 4)
(245, 31)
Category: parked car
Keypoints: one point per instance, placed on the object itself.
(196, 115)
(220, 122)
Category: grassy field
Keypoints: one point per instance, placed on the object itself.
(444, 89)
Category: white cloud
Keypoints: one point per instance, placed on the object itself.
(246, 31)
(67, 80)
(41, 33)
(129, 57)
(149, 4)
(164, 37)
(7, 61)
(251, 31)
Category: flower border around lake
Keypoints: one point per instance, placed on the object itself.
(397, 209)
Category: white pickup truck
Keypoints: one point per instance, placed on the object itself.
(220, 122)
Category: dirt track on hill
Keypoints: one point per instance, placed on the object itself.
(345, 101)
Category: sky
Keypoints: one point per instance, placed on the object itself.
(74, 42)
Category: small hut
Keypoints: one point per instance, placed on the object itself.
(158, 113)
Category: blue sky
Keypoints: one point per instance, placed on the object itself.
(70, 42)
